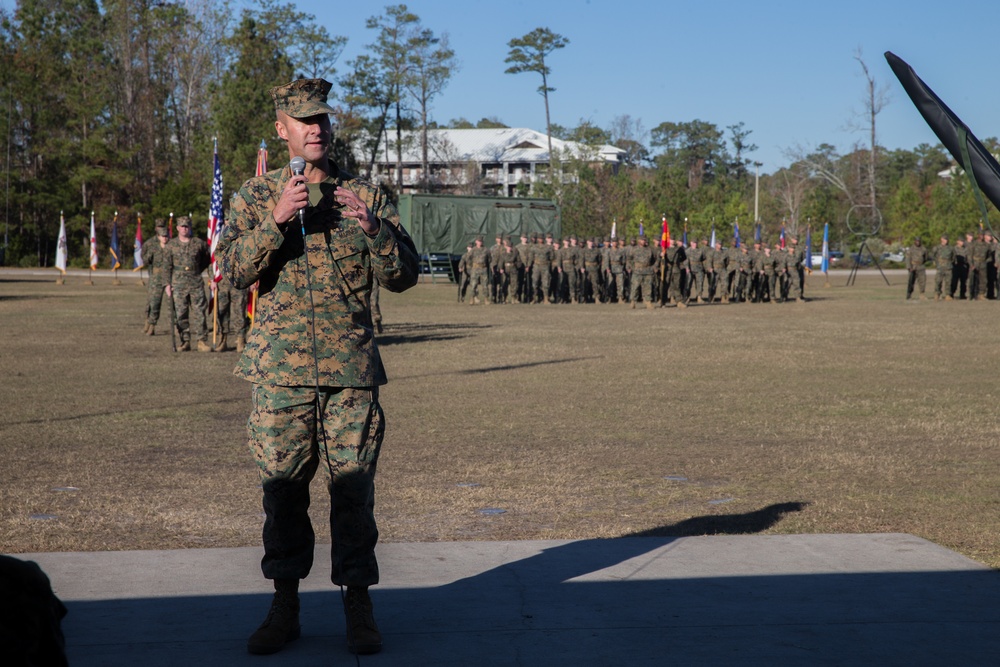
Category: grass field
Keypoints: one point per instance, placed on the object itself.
(854, 412)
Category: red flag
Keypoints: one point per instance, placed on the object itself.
(665, 236)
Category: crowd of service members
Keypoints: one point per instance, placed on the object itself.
(965, 268)
(543, 269)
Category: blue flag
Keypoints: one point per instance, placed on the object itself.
(809, 248)
(115, 251)
(825, 266)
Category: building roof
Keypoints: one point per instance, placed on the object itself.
(492, 145)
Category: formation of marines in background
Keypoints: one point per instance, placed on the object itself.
(175, 269)
(543, 269)
(965, 270)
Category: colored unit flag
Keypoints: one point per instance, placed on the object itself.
(782, 237)
(93, 244)
(756, 233)
(713, 236)
(684, 237)
(665, 236)
(261, 159)
(215, 217)
(115, 250)
(62, 247)
(614, 229)
(736, 232)
(825, 265)
(640, 229)
(137, 254)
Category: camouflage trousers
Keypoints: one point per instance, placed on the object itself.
(288, 445)
(567, 284)
(917, 277)
(942, 283)
(190, 305)
(540, 278)
(642, 283)
(591, 285)
(232, 306)
(479, 279)
(512, 284)
(618, 277)
(154, 298)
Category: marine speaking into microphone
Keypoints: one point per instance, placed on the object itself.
(317, 239)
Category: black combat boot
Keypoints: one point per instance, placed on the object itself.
(282, 623)
(363, 636)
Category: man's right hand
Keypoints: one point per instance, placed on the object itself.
(294, 198)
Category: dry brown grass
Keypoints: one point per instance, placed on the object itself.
(876, 414)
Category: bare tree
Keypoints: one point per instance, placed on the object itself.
(874, 100)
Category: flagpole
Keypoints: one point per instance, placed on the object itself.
(116, 260)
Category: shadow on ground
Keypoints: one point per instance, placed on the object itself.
(632, 600)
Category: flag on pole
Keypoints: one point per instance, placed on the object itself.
(756, 233)
(641, 231)
(825, 265)
(736, 232)
(665, 236)
(713, 236)
(684, 238)
(782, 237)
(809, 248)
(215, 215)
(115, 250)
(137, 254)
(170, 226)
(614, 229)
(93, 244)
(261, 159)
(62, 246)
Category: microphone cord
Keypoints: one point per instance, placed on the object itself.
(320, 427)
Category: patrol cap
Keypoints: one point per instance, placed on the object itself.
(184, 221)
(161, 228)
(480, 238)
(302, 98)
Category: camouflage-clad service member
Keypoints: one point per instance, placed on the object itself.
(154, 258)
(187, 257)
(717, 277)
(744, 280)
(696, 268)
(770, 262)
(644, 260)
(510, 262)
(916, 257)
(232, 309)
(615, 270)
(800, 266)
(980, 254)
(480, 272)
(496, 268)
(944, 260)
(541, 261)
(591, 257)
(732, 269)
(463, 273)
(312, 357)
(791, 267)
(567, 269)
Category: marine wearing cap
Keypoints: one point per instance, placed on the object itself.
(302, 98)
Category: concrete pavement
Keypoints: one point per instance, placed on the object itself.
(883, 599)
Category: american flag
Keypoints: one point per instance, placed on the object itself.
(215, 216)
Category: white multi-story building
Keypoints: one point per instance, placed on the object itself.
(500, 162)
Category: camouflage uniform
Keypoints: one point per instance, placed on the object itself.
(154, 258)
(510, 262)
(496, 265)
(944, 259)
(616, 269)
(232, 309)
(541, 261)
(645, 260)
(675, 257)
(718, 275)
(591, 258)
(916, 257)
(480, 273)
(184, 264)
(312, 350)
(524, 273)
(960, 274)
(979, 257)
(463, 274)
(567, 264)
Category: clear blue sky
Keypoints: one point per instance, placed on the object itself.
(784, 68)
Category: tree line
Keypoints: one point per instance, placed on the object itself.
(114, 105)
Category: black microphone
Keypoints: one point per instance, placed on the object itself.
(298, 167)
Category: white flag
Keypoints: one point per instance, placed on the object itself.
(61, 245)
(93, 244)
